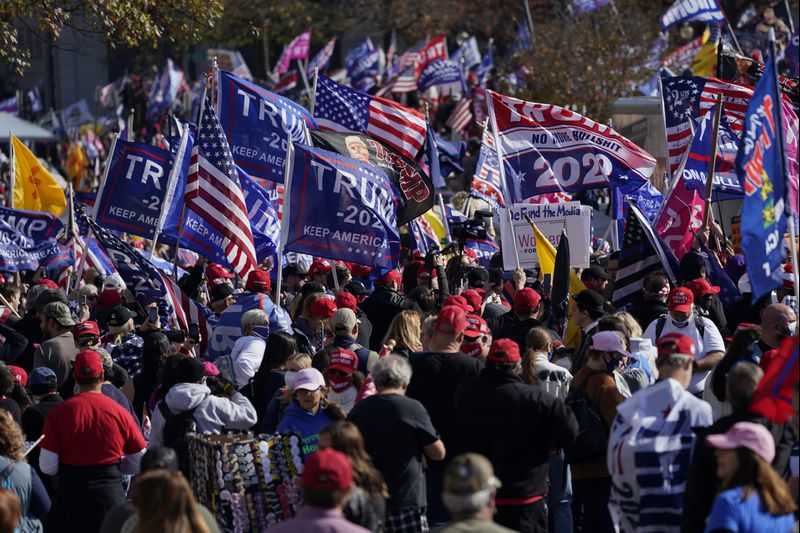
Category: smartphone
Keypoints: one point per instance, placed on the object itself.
(546, 284)
(152, 314)
(194, 332)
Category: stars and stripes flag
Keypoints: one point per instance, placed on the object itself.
(689, 97)
(322, 58)
(461, 116)
(213, 192)
(340, 108)
(642, 252)
(486, 183)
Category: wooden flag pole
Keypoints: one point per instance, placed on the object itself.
(712, 165)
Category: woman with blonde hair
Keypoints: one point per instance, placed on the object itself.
(367, 503)
(18, 477)
(404, 330)
(164, 503)
(277, 404)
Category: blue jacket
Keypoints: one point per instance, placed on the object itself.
(298, 420)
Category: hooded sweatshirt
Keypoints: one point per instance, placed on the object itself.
(213, 414)
(298, 420)
(649, 455)
(17, 477)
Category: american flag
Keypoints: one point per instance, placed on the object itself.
(340, 108)
(287, 82)
(214, 193)
(486, 183)
(687, 98)
(461, 116)
(642, 252)
(322, 58)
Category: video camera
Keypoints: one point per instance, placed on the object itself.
(472, 228)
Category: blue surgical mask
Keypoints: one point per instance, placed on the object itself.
(261, 332)
(611, 365)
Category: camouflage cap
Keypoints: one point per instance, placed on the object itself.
(59, 312)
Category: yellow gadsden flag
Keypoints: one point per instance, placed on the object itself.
(547, 261)
(34, 187)
(705, 62)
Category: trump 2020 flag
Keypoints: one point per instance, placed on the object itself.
(707, 11)
(341, 108)
(258, 124)
(340, 208)
(28, 241)
(760, 165)
(695, 172)
(545, 148)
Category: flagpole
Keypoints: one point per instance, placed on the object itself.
(493, 119)
(177, 165)
(129, 133)
(314, 94)
(13, 171)
(787, 211)
(303, 75)
(287, 183)
(713, 164)
(730, 31)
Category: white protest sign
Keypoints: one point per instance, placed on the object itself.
(550, 219)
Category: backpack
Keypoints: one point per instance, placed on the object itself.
(177, 427)
(698, 323)
(592, 440)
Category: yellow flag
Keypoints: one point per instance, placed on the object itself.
(547, 260)
(34, 187)
(76, 161)
(705, 62)
(436, 224)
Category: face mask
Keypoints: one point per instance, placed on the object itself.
(792, 329)
(612, 364)
(681, 324)
(471, 349)
(339, 383)
(262, 332)
(289, 377)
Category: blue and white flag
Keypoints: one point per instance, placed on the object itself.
(484, 70)
(708, 11)
(258, 124)
(341, 208)
(587, 6)
(10, 105)
(467, 55)
(322, 58)
(649, 200)
(76, 115)
(228, 328)
(483, 249)
(137, 188)
(164, 90)
(362, 64)
(432, 157)
(695, 172)
(451, 153)
(761, 166)
(28, 241)
(36, 101)
(444, 74)
(423, 237)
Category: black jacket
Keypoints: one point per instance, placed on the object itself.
(702, 485)
(28, 326)
(516, 330)
(364, 328)
(513, 424)
(381, 307)
(649, 310)
(14, 344)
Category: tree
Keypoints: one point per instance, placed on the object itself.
(118, 22)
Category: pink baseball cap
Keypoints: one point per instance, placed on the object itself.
(754, 437)
(609, 341)
(309, 379)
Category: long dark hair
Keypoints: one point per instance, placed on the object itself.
(743, 340)
(755, 474)
(280, 345)
(346, 438)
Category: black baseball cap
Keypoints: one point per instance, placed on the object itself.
(477, 277)
(189, 370)
(356, 288)
(295, 269)
(221, 291)
(590, 300)
(595, 272)
(119, 315)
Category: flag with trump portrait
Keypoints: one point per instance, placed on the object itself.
(545, 148)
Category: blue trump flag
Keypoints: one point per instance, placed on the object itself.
(340, 208)
(442, 72)
(450, 154)
(137, 187)
(28, 241)
(707, 11)
(432, 155)
(761, 168)
(695, 172)
(258, 125)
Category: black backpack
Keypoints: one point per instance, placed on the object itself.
(592, 440)
(698, 323)
(177, 427)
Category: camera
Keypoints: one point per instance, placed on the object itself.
(472, 228)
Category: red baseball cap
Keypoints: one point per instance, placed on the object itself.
(343, 360)
(109, 298)
(701, 287)
(88, 365)
(451, 320)
(216, 275)
(681, 300)
(47, 283)
(319, 266)
(504, 351)
(346, 300)
(360, 271)
(327, 469)
(526, 300)
(473, 298)
(389, 277)
(20, 376)
(458, 301)
(322, 308)
(476, 327)
(85, 328)
(676, 343)
(258, 281)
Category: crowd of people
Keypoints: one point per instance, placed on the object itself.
(432, 396)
